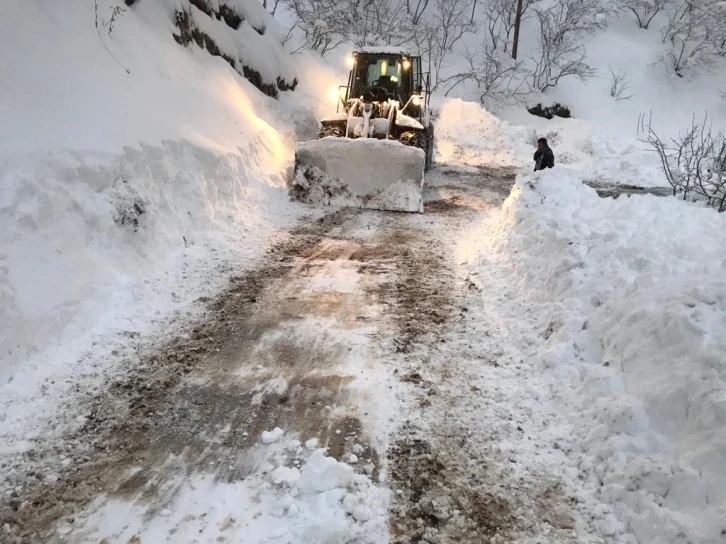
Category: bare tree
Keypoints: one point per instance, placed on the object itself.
(436, 34)
(499, 80)
(694, 163)
(500, 17)
(695, 32)
(561, 50)
(645, 10)
(620, 84)
(415, 10)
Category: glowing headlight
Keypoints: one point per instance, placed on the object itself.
(416, 100)
(406, 64)
(334, 94)
(350, 61)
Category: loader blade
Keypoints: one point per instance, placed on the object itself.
(369, 173)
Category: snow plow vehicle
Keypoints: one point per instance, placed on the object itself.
(374, 150)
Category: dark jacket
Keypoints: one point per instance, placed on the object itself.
(544, 159)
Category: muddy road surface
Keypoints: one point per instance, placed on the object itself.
(354, 331)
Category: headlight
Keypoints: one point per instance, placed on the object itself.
(416, 100)
(334, 94)
(406, 64)
(350, 61)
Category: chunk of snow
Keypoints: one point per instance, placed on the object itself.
(285, 475)
(268, 437)
(323, 473)
(381, 174)
(637, 281)
(408, 122)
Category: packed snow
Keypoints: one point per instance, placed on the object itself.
(367, 172)
(629, 294)
(469, 134)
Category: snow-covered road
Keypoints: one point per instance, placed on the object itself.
(374, 335)
(379, 377)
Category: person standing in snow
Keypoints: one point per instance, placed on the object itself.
(543, 157)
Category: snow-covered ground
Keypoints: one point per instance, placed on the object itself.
(136, 176)
(564, 357)
(296, 495)
(630, 300)
(621, 307)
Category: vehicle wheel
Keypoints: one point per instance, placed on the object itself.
(330, 130)
(429, 136)
(409, 138)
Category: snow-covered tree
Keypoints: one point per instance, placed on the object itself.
(499, 79)
(499, 17)
(645, 10)
(323, 25)
(561, 51)
(436, 31)
(696, 35)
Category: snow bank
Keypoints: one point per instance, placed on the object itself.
(294, 495)
(88, 233)
(631, 298)
(132, 171)
(467, 134)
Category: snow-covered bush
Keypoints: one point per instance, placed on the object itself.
(694, 163)
(549, 112)
(561, 51)
(619, 84)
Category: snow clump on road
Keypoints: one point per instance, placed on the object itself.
(294, 495)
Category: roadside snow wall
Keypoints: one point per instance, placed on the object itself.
(630, 295)
(136, 175)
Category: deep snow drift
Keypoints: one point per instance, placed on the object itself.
(630, 298)
(132, 171)
(469, 134)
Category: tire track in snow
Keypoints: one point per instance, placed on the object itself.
(452, 477)
(266, 356)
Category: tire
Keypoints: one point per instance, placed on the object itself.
(413, 139)
(429, 137)
(331, 130)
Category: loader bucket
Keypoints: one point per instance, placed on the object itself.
(363, 172)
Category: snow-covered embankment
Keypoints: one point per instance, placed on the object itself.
(142, 151)
(630, 297)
